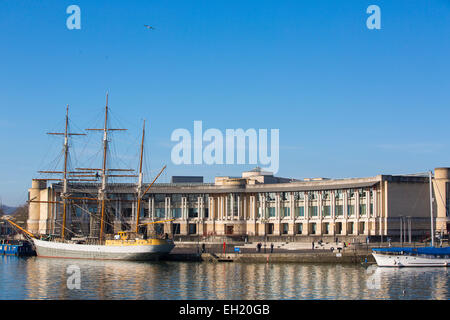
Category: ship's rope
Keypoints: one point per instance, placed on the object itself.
(67, 229)
(92, 215)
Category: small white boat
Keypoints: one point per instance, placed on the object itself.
(412, 257)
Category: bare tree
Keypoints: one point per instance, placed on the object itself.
(21, 215)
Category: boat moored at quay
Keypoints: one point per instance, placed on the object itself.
(412, 257)
(126, 244)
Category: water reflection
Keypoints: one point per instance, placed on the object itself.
(40, 278)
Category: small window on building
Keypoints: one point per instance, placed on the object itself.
(350, 210)
(270, 228)
(362, 209)
(271, 212)
(299, 228)
(350, 227)
(313, 211)
(299, 196)
(193, 212)
(326, 226)
(176, 212)
(300, 211)
(313, 228)
(192, 228)
(160, 212)
(285, 228)
(176, 228)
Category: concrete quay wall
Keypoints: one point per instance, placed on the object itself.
(304, 257)
(325, 257)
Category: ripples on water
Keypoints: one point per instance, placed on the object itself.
(41, 278)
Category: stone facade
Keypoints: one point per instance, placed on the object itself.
(258, 204)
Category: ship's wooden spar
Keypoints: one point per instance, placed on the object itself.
(102, 192)
(21, 229)
(141, 194)
(84, 175)
(65, 179)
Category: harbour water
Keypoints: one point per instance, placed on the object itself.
(43, 278)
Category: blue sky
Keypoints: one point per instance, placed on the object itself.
(348, 101)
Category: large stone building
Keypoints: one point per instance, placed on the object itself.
(256, 204)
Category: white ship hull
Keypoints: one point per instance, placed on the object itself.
(394, 260)
(52, 249)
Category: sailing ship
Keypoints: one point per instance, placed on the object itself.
(414, 257)
(127, 244)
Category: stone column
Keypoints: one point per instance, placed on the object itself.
(440, 185)
(238, 199)
(306, 212)
(167, 212)
(152, 200)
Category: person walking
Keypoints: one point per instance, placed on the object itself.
(271, 248)
(313, 245)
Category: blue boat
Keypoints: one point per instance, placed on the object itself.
(17, 249)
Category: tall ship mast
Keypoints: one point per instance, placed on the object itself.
(127, 244)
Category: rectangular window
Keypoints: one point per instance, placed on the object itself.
(285, 228)
(206, 212)
(313, 211)
(286, 212)
(160, 212)
(176, 228)
(362, 209)
(271, 212)
(192, 228)
(350, 227)
(299, 228)
(350, 210)
(326, 211)
(313, 228)
(193, 212)
(371, 209)
(270, 196)
(176, 212)
(300, 211)
(299, 195)
(339, 210)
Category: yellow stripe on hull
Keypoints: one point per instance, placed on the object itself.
(138, 242)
